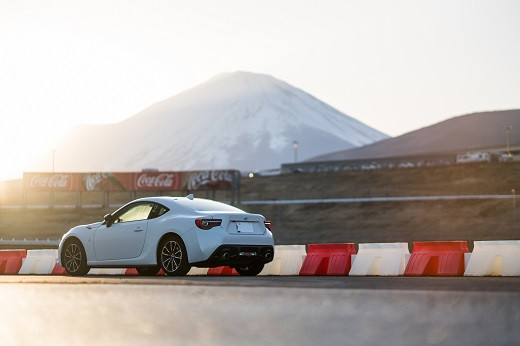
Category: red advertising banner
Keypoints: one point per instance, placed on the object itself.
(136, 181)
(210, 180)
(106, 181)
(157, 181)
(52, 181)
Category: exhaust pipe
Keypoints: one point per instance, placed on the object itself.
(268, 256)
(225, 256)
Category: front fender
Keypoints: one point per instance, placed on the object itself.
(85, 236)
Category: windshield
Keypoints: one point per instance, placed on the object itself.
(206, 205)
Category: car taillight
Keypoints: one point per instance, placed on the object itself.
(268, 225)
(207, 223)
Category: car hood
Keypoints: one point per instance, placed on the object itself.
(83, 228)
(94, 225)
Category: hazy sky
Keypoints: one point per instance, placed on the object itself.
(395, 65)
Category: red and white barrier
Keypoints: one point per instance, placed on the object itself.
(288, 260)
(107, 271)
(39, 262)
(438, 258)
(222, 271)
(11, 261)
(328, 259)
(380, 259)
(133, 271)
(198, 271)
(445, 258)
(494, 258)
(59, 270)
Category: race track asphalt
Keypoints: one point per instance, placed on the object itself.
(202, 310)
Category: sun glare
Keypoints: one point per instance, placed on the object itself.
(22, 144)
(91, 62)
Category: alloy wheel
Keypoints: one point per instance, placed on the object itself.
(72, 258)
(171, 255)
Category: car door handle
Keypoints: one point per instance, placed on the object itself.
(138, 230)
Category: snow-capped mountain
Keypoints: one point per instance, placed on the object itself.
(235, 120)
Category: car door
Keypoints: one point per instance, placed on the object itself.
(124, 239)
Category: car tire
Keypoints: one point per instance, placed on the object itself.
(173, 257)
(250, 270)
(148, 271)
(74, 258)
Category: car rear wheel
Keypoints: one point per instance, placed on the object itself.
(74, 258)
(250, 270)
(148, 271)
(173, 256)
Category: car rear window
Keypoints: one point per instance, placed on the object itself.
(206, 205)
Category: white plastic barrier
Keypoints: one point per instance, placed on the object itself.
(381, 259)
(467, 256)
(288, 260)
(107, 271)
(198, 271)
(494, 258)
(39, 262)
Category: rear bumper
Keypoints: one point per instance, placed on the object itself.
(238, 255)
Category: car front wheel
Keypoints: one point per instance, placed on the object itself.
(74, 258)
(250, 270)
(173, 256)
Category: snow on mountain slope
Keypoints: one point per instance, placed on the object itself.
(236, 120)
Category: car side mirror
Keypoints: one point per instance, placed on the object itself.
(108, 220)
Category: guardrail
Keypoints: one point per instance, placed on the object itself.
(295, 201)
(377, 199)
(57, 206)
(23, 242)
(66, 206)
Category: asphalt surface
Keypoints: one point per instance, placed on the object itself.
(481, 284)
(203, 310)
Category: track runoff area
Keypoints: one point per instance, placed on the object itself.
(320, 294)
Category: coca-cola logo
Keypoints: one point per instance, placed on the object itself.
(209, 179)
(55, 181)
(162, 180)
(92, 180)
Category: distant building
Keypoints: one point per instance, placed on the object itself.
(473, 157)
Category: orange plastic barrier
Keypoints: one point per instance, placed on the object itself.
(439, 258)
(328, 259)
(133, 271)
(58, 270)
(11, 261)
(222, 271)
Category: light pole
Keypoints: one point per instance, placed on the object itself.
(508, 139)
(295, 147)
(441, 221)
(513, 191)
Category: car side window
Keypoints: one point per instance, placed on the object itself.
(157, 210)
(135, 213)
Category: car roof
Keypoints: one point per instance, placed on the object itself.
(185, 202)
(166, 200)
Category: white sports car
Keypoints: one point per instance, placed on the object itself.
(172, 233)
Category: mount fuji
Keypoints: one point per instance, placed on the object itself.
(237, 120)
